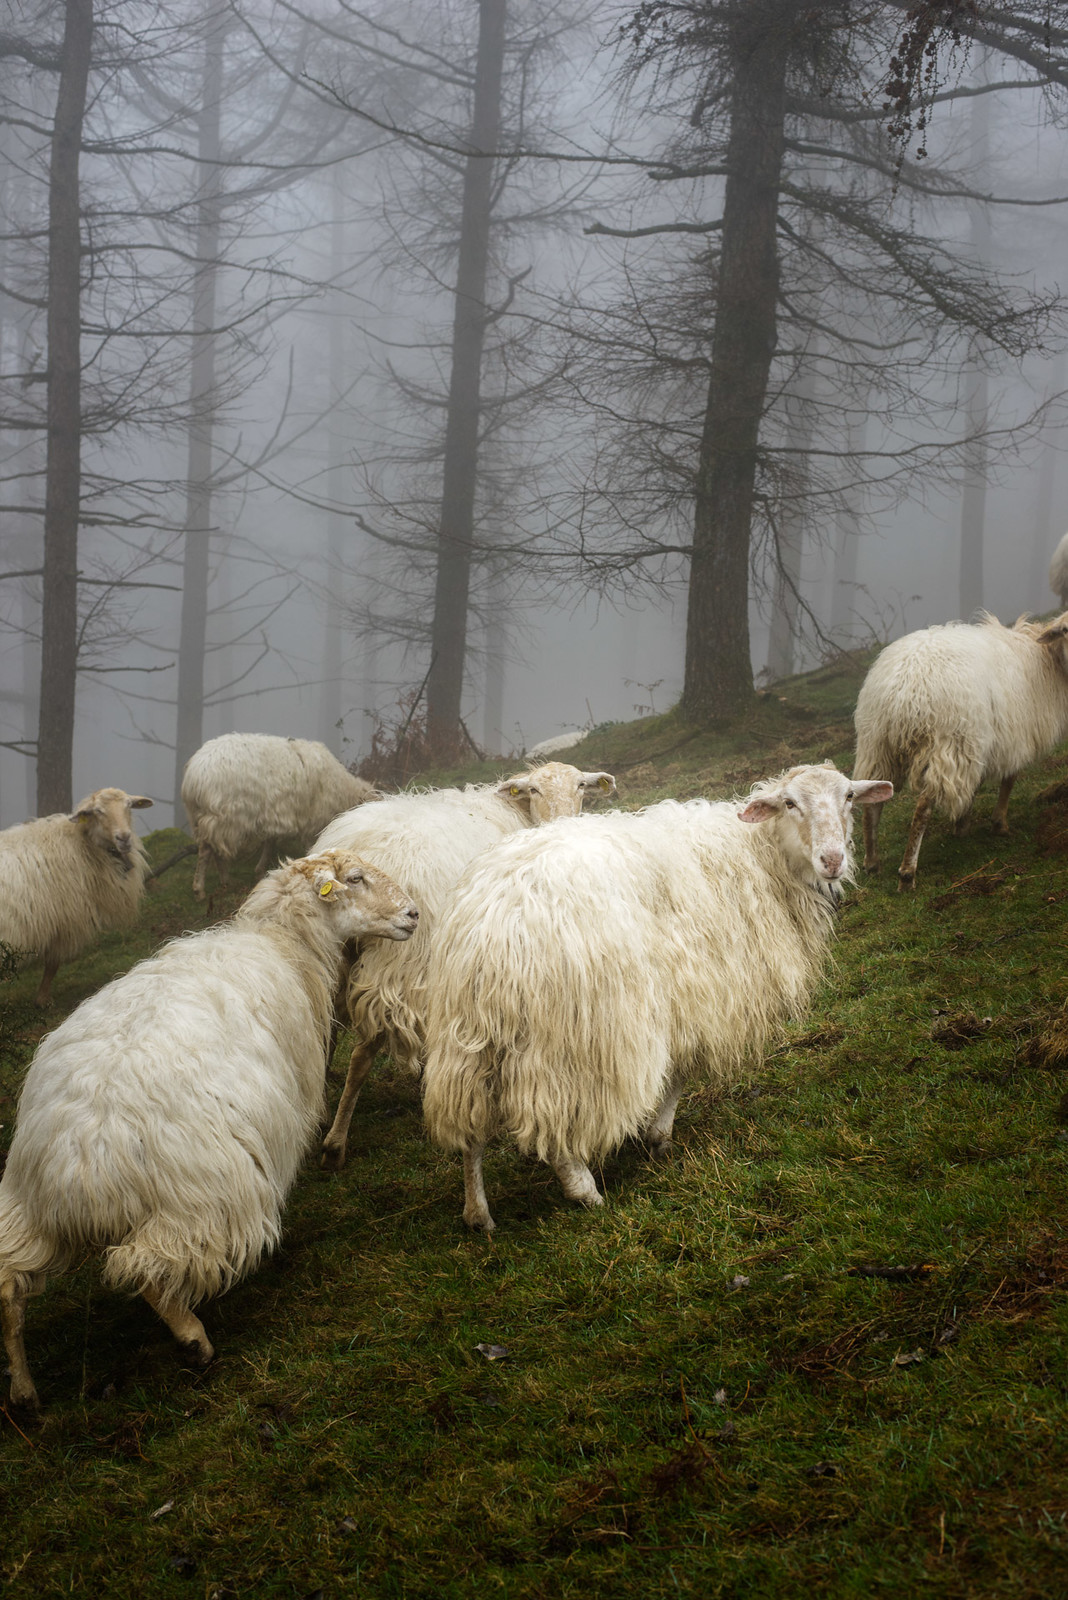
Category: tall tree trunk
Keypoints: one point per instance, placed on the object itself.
(189, 723)
(718, 678)
(786, 616)
(973, 496)
(496, 657)
(847, 537)
(448, 645)
(336, 324)
(1043, 538)
(59, 610)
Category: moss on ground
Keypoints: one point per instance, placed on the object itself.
(820, 1350)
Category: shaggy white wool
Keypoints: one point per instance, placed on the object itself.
(246, 789)
(582, 974)
(66, 879)
(946, 707)
(164, 1121)
(425, 841)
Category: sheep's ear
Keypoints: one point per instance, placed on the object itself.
(871, 791)
(759, 810)
(599, 780)
(1054, 633)
(137, 802)
(86, 811)
(515, 788)
(324, 883)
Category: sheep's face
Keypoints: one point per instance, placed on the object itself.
(813, 812)
(364, 902)
(555, 790)
(106, 824)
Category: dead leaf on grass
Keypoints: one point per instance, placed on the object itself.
(908, 1358)
(739, 1281)
(492, 1352)
(161, 1511)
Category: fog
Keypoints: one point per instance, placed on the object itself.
(335, 298)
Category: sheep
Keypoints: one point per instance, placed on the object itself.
(1058, 572)
(66, 879)
(953, 704)
(556, 744)
(425, 841)
(583, 975)
(164, 1121)
(245, 789)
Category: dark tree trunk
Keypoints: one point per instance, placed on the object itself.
(59, 612)
(786, 616)
(718, 679)
(189, 725)
(973, 496)
(455, 535)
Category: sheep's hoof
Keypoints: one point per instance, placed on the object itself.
(872, 866)
(201, 1352)
(479, 1220)
(906, 881)
(332, 1158)
(1000, 825)
(25, 1401)
(662, 1149)
(590, 1201)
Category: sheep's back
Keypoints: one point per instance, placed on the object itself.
(187, 1090)
(612, 953)
(424, 843)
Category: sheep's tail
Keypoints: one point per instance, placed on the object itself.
(27, 1256)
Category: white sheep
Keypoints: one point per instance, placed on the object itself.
(164, 1121)
(583, 975)
(557, 743)
(425, 841)
(950, 705)
(246, 789)
(1058, 572)
(66, 879)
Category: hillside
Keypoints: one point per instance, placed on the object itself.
(822, 1350)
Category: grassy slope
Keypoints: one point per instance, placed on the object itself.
(659, 1426)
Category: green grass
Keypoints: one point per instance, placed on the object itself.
(656, 1429)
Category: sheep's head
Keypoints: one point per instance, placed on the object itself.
(106, 824)
(813, 812)
(364, 902)
(554, 790)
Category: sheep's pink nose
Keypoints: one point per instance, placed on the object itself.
(412, 914)
(123, 841)
(831, 862)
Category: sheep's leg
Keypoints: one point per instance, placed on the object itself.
(205, 856)
(265, 856)
(13, 1319)
(183, 1323)
(906, 872)
(658, 1133)
(577, 1182)
(476, 1206)
(1001, 810)
(962, 824)
(44, 990)
(872, 814)
(336, 1141)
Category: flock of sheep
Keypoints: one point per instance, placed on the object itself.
(559, 979)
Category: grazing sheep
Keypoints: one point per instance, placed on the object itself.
(164, 1121)
(1058, 572)
(245, 789)
(946, 707)
(557, 743)
(425, 841)
(582, 976)
(64, 880)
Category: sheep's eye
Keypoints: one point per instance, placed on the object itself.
(354, 877)
(791, 805)
(534, 791)
(849, 795)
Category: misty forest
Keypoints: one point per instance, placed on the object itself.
(457, 384)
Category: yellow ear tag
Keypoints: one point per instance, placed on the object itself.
(327, 890)
(514, 789)
(604, 783)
